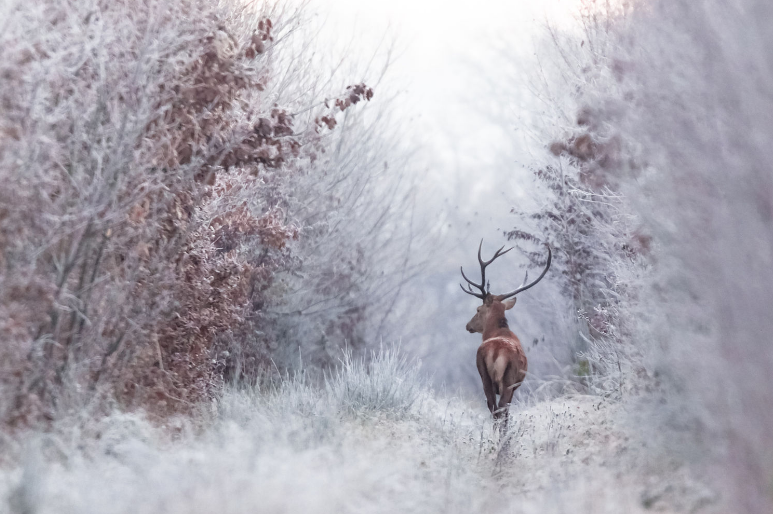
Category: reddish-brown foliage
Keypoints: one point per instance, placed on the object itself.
(141, 226)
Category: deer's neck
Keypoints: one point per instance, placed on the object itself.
(496, 324)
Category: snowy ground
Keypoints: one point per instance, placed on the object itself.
(371, 440)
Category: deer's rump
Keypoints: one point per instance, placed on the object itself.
(504, 361)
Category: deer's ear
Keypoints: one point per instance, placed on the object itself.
(509, 304)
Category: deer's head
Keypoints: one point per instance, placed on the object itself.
(494, 306)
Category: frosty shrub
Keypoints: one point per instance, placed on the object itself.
(680, 88)
(578, 206)
(599, 251)
(169, 169)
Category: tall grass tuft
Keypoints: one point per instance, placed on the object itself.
(386, 382)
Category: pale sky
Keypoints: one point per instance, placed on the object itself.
(439, 44)
(449, 76)
(446, 51)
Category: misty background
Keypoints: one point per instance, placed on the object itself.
(460, 79)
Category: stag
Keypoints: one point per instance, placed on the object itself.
(501, 361)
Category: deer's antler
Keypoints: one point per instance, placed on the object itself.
(483, 265)
(525, 286)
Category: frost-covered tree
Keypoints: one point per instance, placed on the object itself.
(170, 169)
(576, 205)
(683, 86)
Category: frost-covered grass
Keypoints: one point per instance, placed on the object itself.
(353, 444)
(388, 383)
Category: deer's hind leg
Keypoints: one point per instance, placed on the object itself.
(488, 385)
(511, 381)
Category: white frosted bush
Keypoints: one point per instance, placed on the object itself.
(679, 91)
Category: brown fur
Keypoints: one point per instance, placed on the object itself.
(501, 360)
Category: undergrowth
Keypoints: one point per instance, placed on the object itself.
(352, 443)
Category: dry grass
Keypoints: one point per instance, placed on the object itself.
(296, 446)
